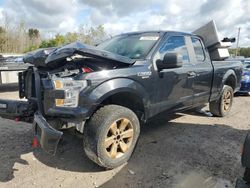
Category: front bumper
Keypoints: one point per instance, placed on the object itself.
(12, 109)
(79, 113)
(48, 137)
(39, 105)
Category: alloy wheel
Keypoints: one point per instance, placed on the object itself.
(227, 101)
(119, 138)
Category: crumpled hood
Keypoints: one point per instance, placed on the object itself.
(55, 57)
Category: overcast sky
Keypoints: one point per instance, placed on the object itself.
(119, 16)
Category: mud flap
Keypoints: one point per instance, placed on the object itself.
(48, 137)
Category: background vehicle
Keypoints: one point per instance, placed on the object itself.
(10, 65)
(245, 81)
(108, 91)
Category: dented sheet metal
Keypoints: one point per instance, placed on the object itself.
(55, 57)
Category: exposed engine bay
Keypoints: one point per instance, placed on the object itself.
(75, 56)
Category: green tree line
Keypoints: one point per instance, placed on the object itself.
(92, 35)
(241, 52)
(20, 39)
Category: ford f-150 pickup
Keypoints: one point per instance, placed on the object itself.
(107, 91)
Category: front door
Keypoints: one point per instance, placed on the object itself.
(173, 86)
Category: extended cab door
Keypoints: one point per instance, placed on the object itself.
(173, 86)
(202, 71)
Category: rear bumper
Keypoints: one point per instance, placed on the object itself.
(48, 137)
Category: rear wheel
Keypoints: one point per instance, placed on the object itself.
(223, 105)
(111, 135)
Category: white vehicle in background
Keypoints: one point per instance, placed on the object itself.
(10, 65)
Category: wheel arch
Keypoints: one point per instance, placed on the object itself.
(124, 92)
(230, 79)
(127, 99)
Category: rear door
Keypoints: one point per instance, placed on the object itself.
(202, 72)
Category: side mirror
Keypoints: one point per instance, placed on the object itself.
(170, 60)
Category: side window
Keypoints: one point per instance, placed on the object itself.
(198, 49)
(175, 44)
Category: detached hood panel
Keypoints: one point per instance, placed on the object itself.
(56, 57)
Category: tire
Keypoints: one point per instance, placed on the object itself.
(103, 143)
(223, 105)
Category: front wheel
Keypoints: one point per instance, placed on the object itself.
(223, 105)
(111, 135)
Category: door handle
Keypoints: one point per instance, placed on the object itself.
(191, 74)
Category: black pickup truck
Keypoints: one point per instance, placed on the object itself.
(106, 92)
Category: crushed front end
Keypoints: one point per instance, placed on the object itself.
(31, 87)
(56, 90)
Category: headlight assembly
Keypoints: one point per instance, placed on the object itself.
(71, 89)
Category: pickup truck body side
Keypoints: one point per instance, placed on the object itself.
(137, 84)
(225, 73)
(194, 84)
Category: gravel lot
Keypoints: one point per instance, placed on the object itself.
(181, 151)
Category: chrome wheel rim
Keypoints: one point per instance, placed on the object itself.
(119, 138)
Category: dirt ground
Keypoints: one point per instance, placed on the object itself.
(185, 150)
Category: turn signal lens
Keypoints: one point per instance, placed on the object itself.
(58, 84)
(59, 102)
(71, 90)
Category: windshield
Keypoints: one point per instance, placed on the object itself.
(134, 46)
(246, 65)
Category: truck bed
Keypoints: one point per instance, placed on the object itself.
(220, 68)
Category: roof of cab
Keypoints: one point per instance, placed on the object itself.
(160, 32)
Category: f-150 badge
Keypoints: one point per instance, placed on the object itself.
(144, 74)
